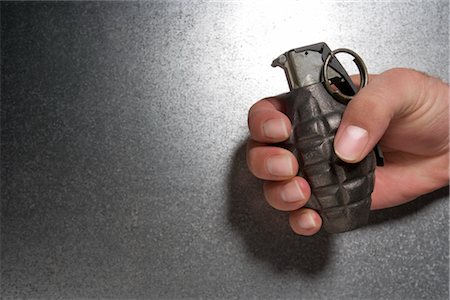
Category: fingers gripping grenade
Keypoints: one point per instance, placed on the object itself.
(340, 191)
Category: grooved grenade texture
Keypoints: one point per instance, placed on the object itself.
(341, 192)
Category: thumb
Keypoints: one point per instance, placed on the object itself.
(367, 116)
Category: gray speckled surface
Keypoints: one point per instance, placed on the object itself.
(123, 167)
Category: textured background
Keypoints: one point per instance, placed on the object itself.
(123, 170)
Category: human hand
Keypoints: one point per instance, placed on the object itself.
(406, 111)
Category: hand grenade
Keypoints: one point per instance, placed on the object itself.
(340, 191)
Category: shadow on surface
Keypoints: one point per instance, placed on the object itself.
(398, 212)
(266, 231)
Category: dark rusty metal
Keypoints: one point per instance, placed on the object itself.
(340, 191)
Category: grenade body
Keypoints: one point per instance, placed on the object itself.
(340, 191)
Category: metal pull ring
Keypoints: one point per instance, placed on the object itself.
(338, 95)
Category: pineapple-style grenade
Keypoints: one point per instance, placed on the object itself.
(320, 88)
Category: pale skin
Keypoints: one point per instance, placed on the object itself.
(406, 111)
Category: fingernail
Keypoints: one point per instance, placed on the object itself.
(291, 192)
(306, 221)
(275, 128)
(280, 165)
(352, 143)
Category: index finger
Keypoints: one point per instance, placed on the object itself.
(357, 78)
(267, 122)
